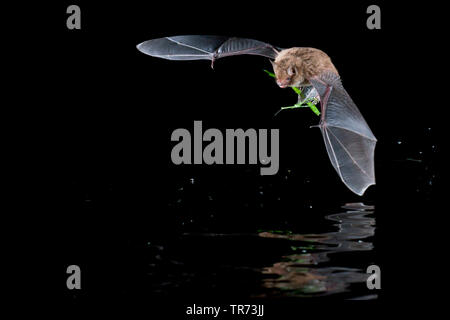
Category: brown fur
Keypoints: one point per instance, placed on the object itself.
(308, 62)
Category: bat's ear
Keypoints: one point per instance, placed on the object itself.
(273, 63)
(291, 70)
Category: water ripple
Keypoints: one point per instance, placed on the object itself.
(306, 273)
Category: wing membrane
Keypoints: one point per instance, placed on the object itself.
(348, 139)
(195, 47)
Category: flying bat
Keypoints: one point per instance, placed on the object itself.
(348, 139)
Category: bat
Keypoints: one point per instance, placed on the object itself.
(348, 139)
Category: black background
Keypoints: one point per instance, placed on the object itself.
(102, 114)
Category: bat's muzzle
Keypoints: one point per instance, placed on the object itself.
(282, 84)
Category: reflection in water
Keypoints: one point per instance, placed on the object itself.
(303, 273)
(270, 264)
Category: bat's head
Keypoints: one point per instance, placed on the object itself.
(287, 71)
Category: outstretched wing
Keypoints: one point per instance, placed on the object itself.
(348, 139)
(196, 47)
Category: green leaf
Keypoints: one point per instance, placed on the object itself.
(269, 73)
(297, 90)
(313, 107)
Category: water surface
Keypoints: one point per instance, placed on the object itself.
(270, 264)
